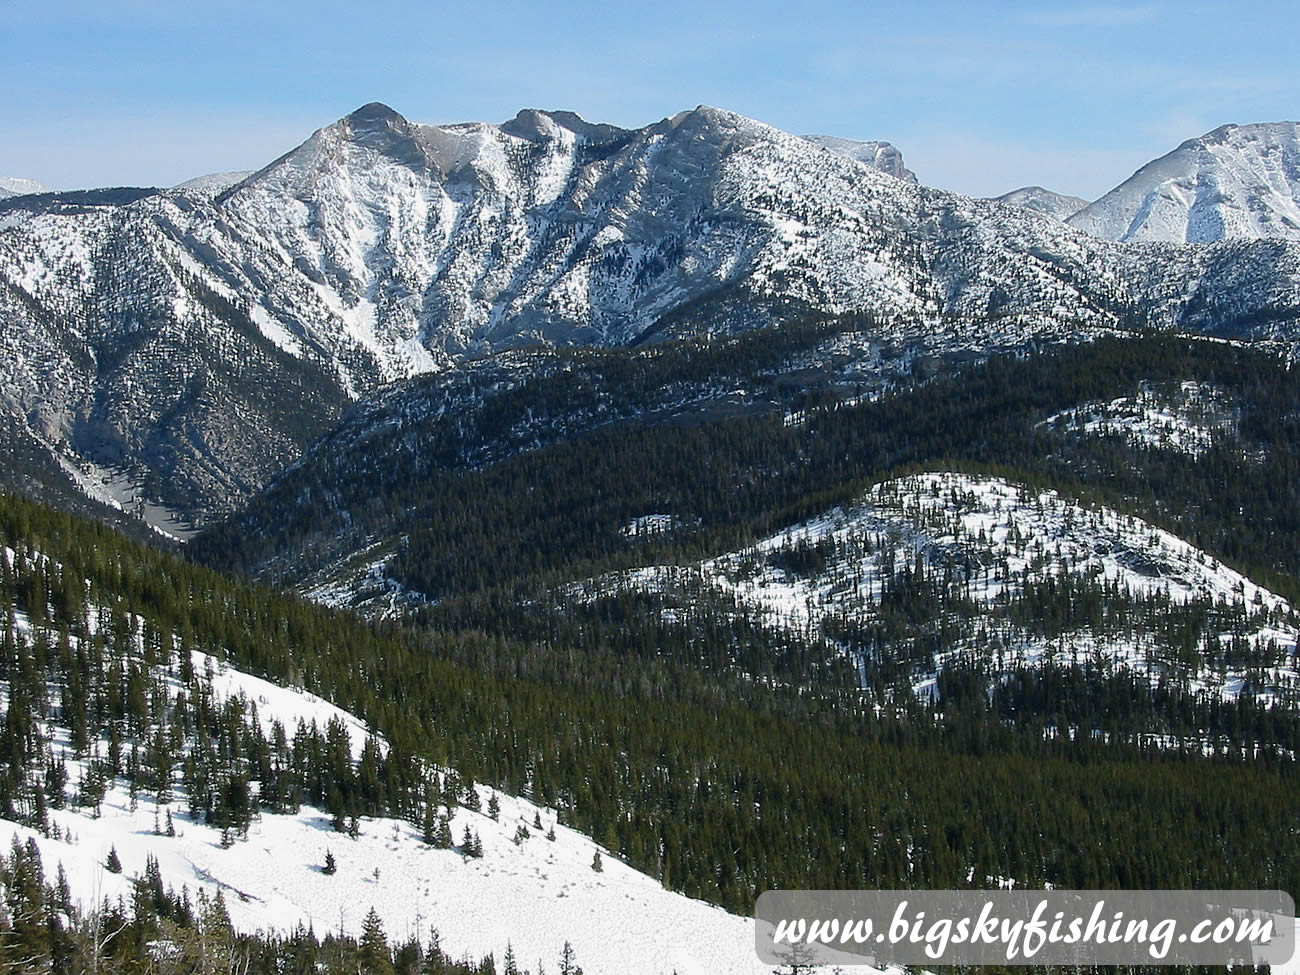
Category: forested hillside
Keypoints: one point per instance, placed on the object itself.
(901, 740)
(720, 787)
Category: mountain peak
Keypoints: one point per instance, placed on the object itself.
(374, 112)
(1041, 200)
(1233, 182)
(20, 186)
(878, 155)
(536, 125)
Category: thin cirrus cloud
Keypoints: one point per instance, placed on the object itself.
(1090, 16)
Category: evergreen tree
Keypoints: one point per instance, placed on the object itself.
(373, 954)
(568, 962)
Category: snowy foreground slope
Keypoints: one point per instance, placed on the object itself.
(535, 894)
(994, 539)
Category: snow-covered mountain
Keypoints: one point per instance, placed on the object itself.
(1041, 200)
(195, 342)
(20, 186)
(883, 156)
(1239, 182)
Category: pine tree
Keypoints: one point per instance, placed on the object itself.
(568, 962)
(373, 955)
(93, 786)
(596, 865)
(494, 808)
(330, 867)
(429, 834)
(113, 864)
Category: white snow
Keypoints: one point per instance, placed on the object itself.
(656, 524)
(1186, 421)
(119, 489)
(1015, 534)
(276, 333)
(212, 184)
(1237, 182)
(20, 186)
(533, 895)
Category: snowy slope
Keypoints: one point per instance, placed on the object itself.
(1237, 182)
(211, 184)
(996, 537)
(1186, 422)
(534, 894)
(19, 186)
(1036, 198)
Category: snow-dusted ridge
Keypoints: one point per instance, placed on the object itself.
(1186, 422)
(212, 184)
(1004, 535)
(1040, 200)
(20, 186)
(878, 155)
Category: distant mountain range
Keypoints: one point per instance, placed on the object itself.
(191, 342)
(18, 186)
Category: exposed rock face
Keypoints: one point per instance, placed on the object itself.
(878, 155)
(201, 339)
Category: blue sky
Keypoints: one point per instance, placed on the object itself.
(980, 98)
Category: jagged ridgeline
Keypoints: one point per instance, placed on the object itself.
(197, 339)
(721, 792)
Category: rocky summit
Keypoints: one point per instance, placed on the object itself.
(178, 347)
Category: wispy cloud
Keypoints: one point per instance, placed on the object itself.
(1108, 16)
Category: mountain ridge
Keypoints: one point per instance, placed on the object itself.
(1041, 200)
(201, 341)
(20, 186)
(1235, 181)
